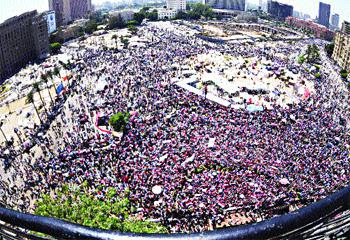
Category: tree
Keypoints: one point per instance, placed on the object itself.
(132, 29)
(119, 121)
(312, 53)
(318, 75)
(56, 71)
(78, 205)
(36, 88)
(344, 73)
(193, 15)
(116, 22)
(91, 26)
(329, 48)
(153, 16)
(30, 99)
(44, 79)
(125, 41)
(181, 15)
(139, 16)
(55, 47)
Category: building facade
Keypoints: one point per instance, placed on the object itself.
(177, 5)
(70, 10)
(324, 13)
(23, 38)
(335, 20)
(166, 13)
(226, 4)
(341, 53)
(279, 10)
(318, 30)
(125, 14)
(345, 27)
(80, 8)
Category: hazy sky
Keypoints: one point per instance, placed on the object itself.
(9, 8)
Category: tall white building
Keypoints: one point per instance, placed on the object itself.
(177, 5)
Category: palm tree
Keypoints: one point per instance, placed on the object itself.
(45, 80)
(50, 75)
(30, 99)
(36, 87)
(56, 71)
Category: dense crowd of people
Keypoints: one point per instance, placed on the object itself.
(260, 160)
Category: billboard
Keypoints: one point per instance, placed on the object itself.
(51, 22)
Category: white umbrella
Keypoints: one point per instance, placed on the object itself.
(284, 181)
(157, 189)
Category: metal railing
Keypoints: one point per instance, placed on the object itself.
(325, 219)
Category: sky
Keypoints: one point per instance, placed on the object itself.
(9, 8)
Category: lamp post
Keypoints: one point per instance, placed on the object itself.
(16, 131)
(1, 123)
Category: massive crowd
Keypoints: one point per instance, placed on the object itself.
(259, 160)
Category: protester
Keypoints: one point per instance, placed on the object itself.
(259, 161)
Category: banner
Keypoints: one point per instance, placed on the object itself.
(59, 88)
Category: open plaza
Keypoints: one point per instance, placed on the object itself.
(220, 133)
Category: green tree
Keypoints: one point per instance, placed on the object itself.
(125, 41)
(153, 16)
(116, 22)
(119, 121)
(132, 29)
(55, 47)
(329, 48)
(193, 15)
(139, 16)
(318, 75)
(77, 205)
(312, 53)
(344, 73)
(91, 26)
(30, 99)
(181, 15)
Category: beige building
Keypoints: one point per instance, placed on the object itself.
(164, 13)
(341, 53)
(177, 5)
(23, 38)
(125, 14)
(346, 27)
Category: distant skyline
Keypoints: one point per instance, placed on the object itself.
(10, 8)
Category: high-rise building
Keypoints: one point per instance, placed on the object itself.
(23, 38)
(69, 10)
(345, 28)
(177, 5)
(80, 8)
(324, 13)
(279, 10)
(341, 52)
(226, 4)
(335, 20)
(57, 6)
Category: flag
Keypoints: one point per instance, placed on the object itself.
(65, 78)
(59, 88)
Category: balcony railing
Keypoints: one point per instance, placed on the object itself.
(326, 219)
